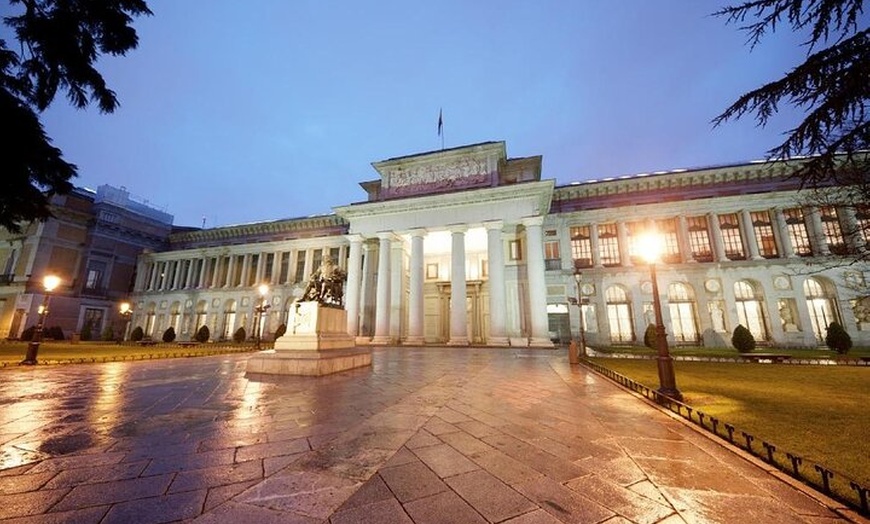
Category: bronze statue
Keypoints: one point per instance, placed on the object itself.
(326, 285)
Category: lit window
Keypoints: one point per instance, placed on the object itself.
(608, 245)
(581, 246)
(832, 230)
(699, 239)
(667, 230)
(763, 228)
(730, 227)
(797, 232)
(552, 256)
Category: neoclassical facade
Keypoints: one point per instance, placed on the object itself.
(467, 246)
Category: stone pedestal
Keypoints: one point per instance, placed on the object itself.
(316, 343)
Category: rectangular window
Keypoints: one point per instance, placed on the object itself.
(333, 254)
(431, 271)
(797, 232)
(299, 276)
(252, 270)
(667, 229)
(96, 273)
(608, 245)
(581, 246)
(730, 226)
(94, 319)
(862, 216)
(268, 266)
(515, 250)
(552, 256)
(634, 231)
(763, 228)
(832, 230)
(699, 239)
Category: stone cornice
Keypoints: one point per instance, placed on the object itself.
(542, 191)
(260, 229)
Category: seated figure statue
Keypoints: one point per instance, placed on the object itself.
(326, 285)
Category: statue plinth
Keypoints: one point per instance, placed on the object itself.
(316, 343)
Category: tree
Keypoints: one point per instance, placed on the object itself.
(169, 334)
(137, 334)
(831, 87)
(240, 335)
(202, 334)
(60, 41)
(649, 337)
(837, 338)
(742, 339)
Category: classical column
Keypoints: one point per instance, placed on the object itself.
(781, 233)
(624, 251)
(540, 336)
(382, 308)
(495, 270)
(261, 267)
(246, 270)
(415, 305)
(231, 268)
(817, 234)
(351, 295)
(593, 243)
(152, 277)
(683, 239)
(216, 271)
(749, 231)
(176, 278)
(458, 292)
(851, 230)
(365, 294)
(718, 241)
(191, 266)
(203, 271)
(276, 268)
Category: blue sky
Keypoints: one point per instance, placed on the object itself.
(248, 111)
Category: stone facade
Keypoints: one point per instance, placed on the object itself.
(468, 246)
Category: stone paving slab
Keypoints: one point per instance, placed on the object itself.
(425, 435)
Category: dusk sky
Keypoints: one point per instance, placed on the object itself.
(249, 111)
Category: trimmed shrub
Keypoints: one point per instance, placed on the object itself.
(108, 334)
(202, 334)
(28, 333)
(837, 338)
(742, 339)
(281, 330)
(649, 337)
(239, 335)
(137, 334)
(56, 333)
(169, 334)
(86, 333)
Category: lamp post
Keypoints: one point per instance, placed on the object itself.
(650, 245)
(260, 309)
(50, 282)
(126, 313)
(578, 278)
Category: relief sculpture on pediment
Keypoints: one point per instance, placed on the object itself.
(438, 175)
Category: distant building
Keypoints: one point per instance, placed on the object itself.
(468, 246)
(92, 244)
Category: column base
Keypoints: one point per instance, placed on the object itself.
(458, 341)
(540, 342)
(363, 341)
(498, 341)
(382, 340)
(413, 341)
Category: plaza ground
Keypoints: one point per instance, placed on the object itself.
(424, 435)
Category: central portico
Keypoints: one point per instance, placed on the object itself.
(448, 250)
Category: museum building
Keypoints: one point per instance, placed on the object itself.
(467, 246)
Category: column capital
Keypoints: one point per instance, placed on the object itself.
(354, 237)
(532, 221)
(417, 232)
(386, 235)
(494, 224)
(457, 228)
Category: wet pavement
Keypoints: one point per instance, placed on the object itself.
(436, 435)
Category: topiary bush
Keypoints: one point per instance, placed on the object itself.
(137, 334)
(108, 334)
(56, 333)
(239, 335)
(28, 333)
(742, 339)
(837, 338)
(281, 330)
(86, 333)
(169, 334)
(649, 337)
(202, 334)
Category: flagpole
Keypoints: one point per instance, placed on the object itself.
(441, 127)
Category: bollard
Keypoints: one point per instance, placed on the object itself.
(573, 353)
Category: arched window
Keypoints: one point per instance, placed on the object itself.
(229, 319)
(681, 305)
(820, 301)
(201, 312)
(619, 314)
(750, 311)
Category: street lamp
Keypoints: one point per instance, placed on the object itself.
(126, 314)
(578, 278)
(50, 282)
(260, 309)
(651, 246)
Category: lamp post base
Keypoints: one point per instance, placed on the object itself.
(30, 358)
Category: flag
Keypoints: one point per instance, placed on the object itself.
(440, 122)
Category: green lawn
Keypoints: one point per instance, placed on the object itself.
(816, 412)
(12, 353)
